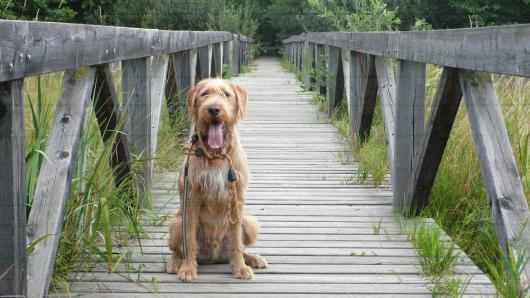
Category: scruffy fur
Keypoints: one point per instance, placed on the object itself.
(211, 237)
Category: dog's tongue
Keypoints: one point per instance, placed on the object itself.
(215, 136)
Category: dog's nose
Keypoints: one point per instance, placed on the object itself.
(213, 110)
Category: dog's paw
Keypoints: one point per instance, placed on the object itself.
(173, 266)
(242, 272)
(187, 273)
(255, 261)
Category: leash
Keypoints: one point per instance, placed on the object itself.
(233, 204)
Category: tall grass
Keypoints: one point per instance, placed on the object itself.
(99, 214)
(458, 201)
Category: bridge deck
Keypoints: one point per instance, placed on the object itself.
(323, 233)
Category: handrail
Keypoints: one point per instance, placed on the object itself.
(360, 65)
(153, 63)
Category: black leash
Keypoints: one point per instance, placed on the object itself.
(194, 139)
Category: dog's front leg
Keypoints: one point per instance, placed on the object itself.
(237, 261)
(188, 270)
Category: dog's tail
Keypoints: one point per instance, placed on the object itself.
(250, 227)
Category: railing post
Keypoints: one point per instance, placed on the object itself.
(335, 78)
(308, 56)
(136, 96)
(204, 62)
(236, 53)
(158, 75)
(320, 68)
(217, 69)
(410, 102)
(13, 271)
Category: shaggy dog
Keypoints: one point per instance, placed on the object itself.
(215, 106)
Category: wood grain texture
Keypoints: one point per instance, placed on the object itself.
(236, 53)
(410, 106)
(158, 75)
(387, 97)
(443, 113)
(53, 186)
(500, 49)
(110, 121)
(204, 62)
(217, 63)
(322, 232)
(13, 190)
(508, 204)
(335, 79)
(32, 48)
(136, 98)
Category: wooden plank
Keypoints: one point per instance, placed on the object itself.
(107, 110)
(227, 54)
(204, 62)
(308, 55)
(136, 95)
(158, 74)
(320, 58)
(500, 49)
(387, 96)
(335, 79)
(360, 84)
(410, 106)
(236, 51)
(443, 113)
(217, 65)
(47, 211)
(32, 48)
(13, 198)
(508, 204)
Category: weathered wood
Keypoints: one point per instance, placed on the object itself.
(387, 97)
(307, 67)
(53, 186)
(508, 204)
(360, 84)
(500, 49)
(320, 58)
(110, 121)
(410, 106)
(335, 79)
(32, 48)
(13, 187)
(236, 52)
(204, 62)
(227, 55)
(136, 96)
(217, 65)
(158, 74)
(443, 113)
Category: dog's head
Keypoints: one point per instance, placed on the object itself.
(215, 106)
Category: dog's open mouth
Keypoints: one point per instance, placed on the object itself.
(215, 135)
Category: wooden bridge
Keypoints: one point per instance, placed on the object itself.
(322, 233)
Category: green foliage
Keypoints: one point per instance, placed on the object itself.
(228, 71)
(356, 15)
(234, 18)
(421, 25)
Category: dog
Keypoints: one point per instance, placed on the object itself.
(215, 106)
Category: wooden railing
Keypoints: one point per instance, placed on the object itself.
(84, 53)
(360, 65)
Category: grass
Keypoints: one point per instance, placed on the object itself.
(99, 214)
(458, 201)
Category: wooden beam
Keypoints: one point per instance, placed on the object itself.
(335, 79)
(308, 57)
(410, 107)
(360, 84)
(217, 65)
(499, 49)
(158, 74)
(53, 186)
(236, 51)
(508, 204)
(32, 48)
(107, 110)
(136, 96)
(320, 54)
(204, 63)
(13, 281)
(443, 113)
(387, 96)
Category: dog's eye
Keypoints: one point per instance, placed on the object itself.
(204, 93)
(226, 93)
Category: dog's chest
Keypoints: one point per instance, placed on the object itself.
(214, 183)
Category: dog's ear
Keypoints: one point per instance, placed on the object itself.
(191, 99)
(241, 99)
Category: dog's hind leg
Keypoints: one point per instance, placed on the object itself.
(250, 235)
(175, 244)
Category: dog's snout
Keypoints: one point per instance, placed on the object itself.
(213, 110)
